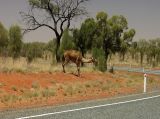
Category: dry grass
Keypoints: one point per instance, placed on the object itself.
(1, 85)
(39, 93)
(128, 61)
(20, 65)
(35, 85)
(48, 92)
(38, 65)
(9, 99)
(69, 89)
(14, 88)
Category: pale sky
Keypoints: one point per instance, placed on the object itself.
(142, 15)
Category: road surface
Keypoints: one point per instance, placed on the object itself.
(140, 106)
(139, 70)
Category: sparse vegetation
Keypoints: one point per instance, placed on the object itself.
(35, 85)
(15, 41)
(101, 40)
(48, 92)
(14, 88)
(9, 98)
(100, 55)
(104, 85)
(1, 85)
(69, 90)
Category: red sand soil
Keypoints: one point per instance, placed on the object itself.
(26, 80)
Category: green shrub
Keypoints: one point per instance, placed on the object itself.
(99, 54)
(67, 43)
(35, 94)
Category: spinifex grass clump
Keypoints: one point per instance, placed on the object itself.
(48, 92)
(35, 85)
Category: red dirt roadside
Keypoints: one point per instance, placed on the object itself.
(68, 87)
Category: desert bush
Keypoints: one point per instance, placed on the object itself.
(15, 41)
(3, 39)
(14, 88)
(2, 84)
(99, 54)
(1, 91)
(33, 50)
(73, 89)
(35, 85)
(88, 85)
(27, 94)
(9, 98)
(35, 94)
(78, 88)
(22, 90)
(5, 98)
(67, 42)
(48, 92)
(105, 87)
(69, 90)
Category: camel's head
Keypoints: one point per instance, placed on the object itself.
(94, 61)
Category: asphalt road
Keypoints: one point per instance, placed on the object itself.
(139, 70)
(140, 106)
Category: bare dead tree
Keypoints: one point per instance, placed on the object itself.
(53, 14)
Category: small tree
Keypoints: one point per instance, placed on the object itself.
(67, 42)
(51, 46)
(133, 49)
(33, 50)
(57, 16)
(30, 55)
(126, 42)
(15, 41)
(83, 37)
(141, 48)
(99, 54)
(110, 31)
(153, 51)
(3, 39)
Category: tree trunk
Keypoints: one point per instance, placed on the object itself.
(141, 59)
(133, 56)
(106, 56)
(123, 56)
(57, 50)
(82, 64)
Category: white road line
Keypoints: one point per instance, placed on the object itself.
(86, 108)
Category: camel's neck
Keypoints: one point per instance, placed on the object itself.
(84, 60)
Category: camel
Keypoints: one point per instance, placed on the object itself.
(75, 57)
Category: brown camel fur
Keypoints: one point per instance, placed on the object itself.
(75, 57)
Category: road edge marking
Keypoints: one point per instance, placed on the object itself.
(92, 107)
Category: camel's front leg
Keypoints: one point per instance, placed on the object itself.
(78, 69)
(63, 64)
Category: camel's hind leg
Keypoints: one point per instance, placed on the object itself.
(78, 69)
(63, 67)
